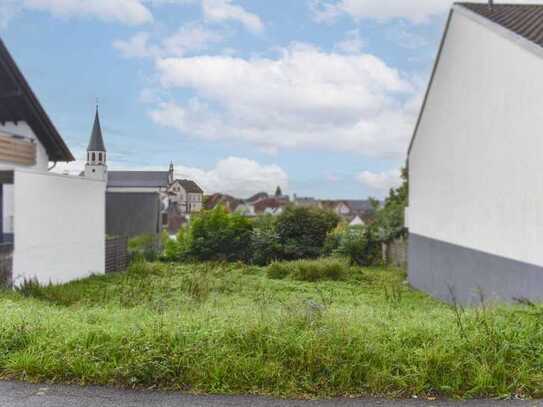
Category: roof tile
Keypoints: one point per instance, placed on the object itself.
(525, 20)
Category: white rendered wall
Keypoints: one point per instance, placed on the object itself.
(59, 227)
(476, 165)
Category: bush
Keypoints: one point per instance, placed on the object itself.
(178, 249)
(220, 236)
(265, 244)
(333, 239)
(302, 231)
(146, 247)
(310, 270)
(278, 270)
(359, 244)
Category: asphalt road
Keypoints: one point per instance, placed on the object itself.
(16, 394)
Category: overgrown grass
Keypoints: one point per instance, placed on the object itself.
(312, 270)
(228, 328)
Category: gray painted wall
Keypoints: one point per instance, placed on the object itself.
(132, 214)
(438, 267)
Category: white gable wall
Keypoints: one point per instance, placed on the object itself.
(59, 227)
(476, 164)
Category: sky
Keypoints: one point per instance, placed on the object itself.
(319, 97)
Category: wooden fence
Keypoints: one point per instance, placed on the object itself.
(116, 254)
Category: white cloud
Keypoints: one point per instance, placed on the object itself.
(380, 182)
(224, 10)
(416, 11)
(236, 176)
(405, 38)
(130, 12)
(170, 2)
(189, 38)
(352, 43)
(305, 98)
(323, 11)
(135, 47)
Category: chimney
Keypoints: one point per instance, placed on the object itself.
(491, 4)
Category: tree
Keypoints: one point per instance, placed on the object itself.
(218, 235)
(391, 217)
(278, 191)
(302, 231)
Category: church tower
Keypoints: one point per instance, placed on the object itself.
(171, 173)
(96, 152)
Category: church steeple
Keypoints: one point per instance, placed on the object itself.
(96, 141)
(96, 152)
(171, 173)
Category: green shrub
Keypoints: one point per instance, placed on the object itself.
(278, 270)
(302, 231)
(30, 288)
(178, 249)
(333, 239)
(219, 236)
(147, 247)
(310, 270)
(265, 244)
(359, 244)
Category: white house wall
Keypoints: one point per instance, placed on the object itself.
(476, 164)
(475, 169)
(59, 227)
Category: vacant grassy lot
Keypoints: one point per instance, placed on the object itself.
(239, 329)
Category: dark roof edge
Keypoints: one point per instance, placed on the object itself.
(62, 152)
(430, 83)
(499, 29)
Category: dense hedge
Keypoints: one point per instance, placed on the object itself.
(218, 235)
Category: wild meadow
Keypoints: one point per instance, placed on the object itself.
(310, 328)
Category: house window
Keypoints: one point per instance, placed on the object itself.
(99, 156)
(164, 219)
(93, 157)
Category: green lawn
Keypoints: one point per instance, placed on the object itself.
(232, 329)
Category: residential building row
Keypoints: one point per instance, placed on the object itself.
(354, 212)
